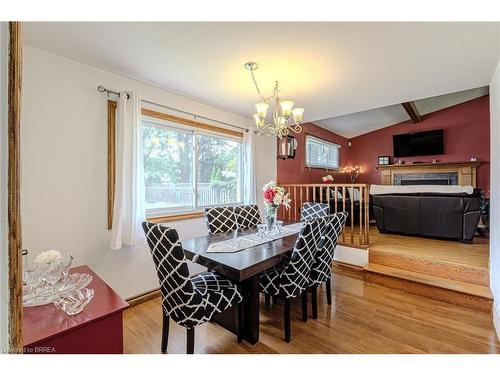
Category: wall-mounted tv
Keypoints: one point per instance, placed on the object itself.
(419, 144)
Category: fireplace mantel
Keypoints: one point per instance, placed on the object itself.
(466, 171)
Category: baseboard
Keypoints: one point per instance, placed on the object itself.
(351, 255)
(496, 318)
(143, 297)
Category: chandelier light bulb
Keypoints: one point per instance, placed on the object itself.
(262, 109)
(286, 107)
(298, 113)
(257, 119)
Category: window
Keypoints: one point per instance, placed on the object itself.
(187, 169)
(321, 154)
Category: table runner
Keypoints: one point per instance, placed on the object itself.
(244, 242)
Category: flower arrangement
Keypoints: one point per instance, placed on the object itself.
(328, 179)
(49, 257)
(275, 195)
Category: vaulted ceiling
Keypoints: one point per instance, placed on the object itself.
(358, 123)
(330, 69)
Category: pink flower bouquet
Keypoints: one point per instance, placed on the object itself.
(275, 195)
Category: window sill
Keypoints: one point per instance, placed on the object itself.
(324, 168)
(175, 217)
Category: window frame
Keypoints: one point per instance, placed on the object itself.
(319, 166)
(195, 210)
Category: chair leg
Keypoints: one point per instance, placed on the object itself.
(304, 306)
(190, 341)
(275, 300)
(164, 333)
(314, 301)
(239, 322)
(287, 320)
(267, 298)
(329, 291)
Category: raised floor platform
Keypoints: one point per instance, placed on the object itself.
(445, 270)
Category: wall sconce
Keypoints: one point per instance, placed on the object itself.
(286, 147)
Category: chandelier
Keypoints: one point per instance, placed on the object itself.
(280, 122)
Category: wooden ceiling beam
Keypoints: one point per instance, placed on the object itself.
(412, 111)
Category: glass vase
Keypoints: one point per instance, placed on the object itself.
(271, 212)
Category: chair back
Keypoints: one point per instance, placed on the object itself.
(248, 216)
(322, 266)
(178, 297)
(295, 277)
(312, 210)
(220, 219)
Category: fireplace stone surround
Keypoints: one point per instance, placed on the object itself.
(455, 173)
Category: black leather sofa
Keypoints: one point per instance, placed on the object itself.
(453, 217)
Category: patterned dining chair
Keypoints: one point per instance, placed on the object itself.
(321, 271)
(248, 216)
(312, 210)
(220, 219)
(291, 278)
(189, 301)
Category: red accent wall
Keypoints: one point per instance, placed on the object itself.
(294, 171)
(466, 133)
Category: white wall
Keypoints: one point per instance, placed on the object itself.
(495, 193)
(64, 167)
(4, 287)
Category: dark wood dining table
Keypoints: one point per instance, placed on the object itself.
(243, 267)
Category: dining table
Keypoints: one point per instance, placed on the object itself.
(243, 267)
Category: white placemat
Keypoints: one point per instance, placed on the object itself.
(244, 242)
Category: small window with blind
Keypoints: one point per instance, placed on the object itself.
(322, 154)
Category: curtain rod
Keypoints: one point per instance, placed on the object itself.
(102, 90)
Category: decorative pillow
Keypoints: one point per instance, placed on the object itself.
(339, 194)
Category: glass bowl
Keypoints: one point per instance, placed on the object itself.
(262, 230)
(73, 302)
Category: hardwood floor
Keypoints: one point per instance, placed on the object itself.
(363, 318)
(475, 254)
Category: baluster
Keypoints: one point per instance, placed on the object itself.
(367, 213)
(320, 194)
(361, 208)
(351, 193)
(290, 209)
(314, 193)
(335, 197)
(295, 203)
(328, 197)
(343, 209)
(301, 200)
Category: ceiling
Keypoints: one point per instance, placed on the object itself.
(330, 69)
(358, 123)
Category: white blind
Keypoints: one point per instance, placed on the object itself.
(321, 154)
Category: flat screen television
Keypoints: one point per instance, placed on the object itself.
(419, 144)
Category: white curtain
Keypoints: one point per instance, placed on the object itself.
(248, 167)
(129, 211)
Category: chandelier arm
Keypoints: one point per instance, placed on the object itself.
(296, 129)
(257, 87)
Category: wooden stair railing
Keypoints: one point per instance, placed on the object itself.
(340, 198)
